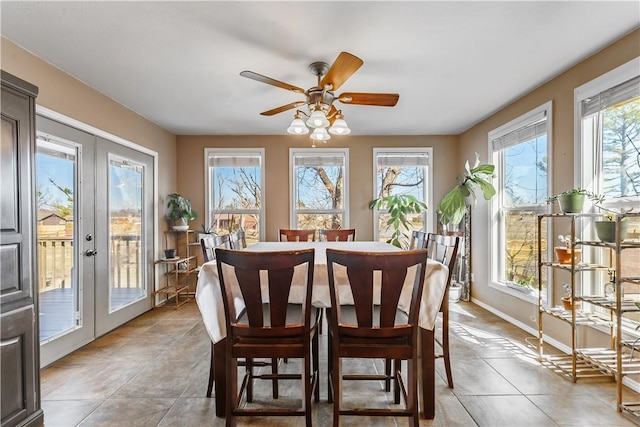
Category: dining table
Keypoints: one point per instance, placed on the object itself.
(210, 304)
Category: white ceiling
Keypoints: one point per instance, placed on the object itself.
(178, 63)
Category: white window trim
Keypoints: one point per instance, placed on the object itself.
(293, 223)
(582, 175)
(494, 203)
(207, 179)
(428, 216)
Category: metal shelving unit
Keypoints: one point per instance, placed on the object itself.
(623, 357)
(176, 273)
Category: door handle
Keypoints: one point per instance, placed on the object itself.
(91, 252)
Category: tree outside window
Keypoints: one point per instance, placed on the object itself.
(234, 193)
(319, 189)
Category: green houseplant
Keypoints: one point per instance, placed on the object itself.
(572, 201)
(606, 228)
(454, 204)
(399, 207)
(179, 211)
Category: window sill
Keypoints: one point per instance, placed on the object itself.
(525, 294)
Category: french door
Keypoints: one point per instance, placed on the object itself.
(95, 236)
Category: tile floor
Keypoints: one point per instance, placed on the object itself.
(153, 372)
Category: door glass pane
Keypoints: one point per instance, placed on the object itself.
(126, 216)
(56, 170)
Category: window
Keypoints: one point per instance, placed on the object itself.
(319, 188)
(607, 113)
(234, 196)
(520, 150)
(402, 171)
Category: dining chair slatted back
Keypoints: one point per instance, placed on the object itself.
(208, 243)
(444, 249)
(418, 240)
(238, 240)
(374, 326)
(342, 235)
(296, 235)
(268, 326)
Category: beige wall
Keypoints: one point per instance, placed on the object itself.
(560, 91)
(64, 94)
(191, 171)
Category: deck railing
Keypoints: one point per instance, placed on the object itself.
(56, 264)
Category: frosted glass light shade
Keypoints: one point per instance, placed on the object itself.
(298, 127)
(340, 128)
(317, 119)
(320, 134)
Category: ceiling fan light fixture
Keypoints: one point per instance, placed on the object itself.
(339, 127)
(317, 119)
(320, 134)
(298, 127)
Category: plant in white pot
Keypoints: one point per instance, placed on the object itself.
(179, 211)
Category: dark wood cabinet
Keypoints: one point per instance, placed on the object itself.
(19, 340)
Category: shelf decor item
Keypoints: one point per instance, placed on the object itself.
(565, 253)
(179, 211)
(606, 229)
(566, 300)
(572, 201)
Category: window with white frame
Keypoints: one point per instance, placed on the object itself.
(234, 196)
(402, 171)
(521, 152)
(607, 114)
(319, 188)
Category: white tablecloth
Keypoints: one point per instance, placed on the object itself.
(211, 307)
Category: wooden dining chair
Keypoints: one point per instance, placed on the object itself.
(296, 235)
(418, 240)
(208, 243)
(343, 235)
(444, 249)
(373, 327)
(238, 240)
(270, 329)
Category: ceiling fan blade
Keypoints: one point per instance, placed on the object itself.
(282, 108)
(377, 99)
(342, 68)
(268, 80)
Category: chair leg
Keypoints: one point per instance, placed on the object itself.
(274, 371)
(336, 384)
(445, 346)
(387, 372)
(397, 371)
(249, 369)
(211, 373)
(412, 393)
(232, 390)
(307, 384)
(316, 366)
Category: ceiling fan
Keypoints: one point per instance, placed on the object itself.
(320, 98)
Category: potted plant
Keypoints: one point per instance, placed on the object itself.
(566, 300)
(572, 201)
(179, 211)
(453, 205)
(399, 207)
(565, 253)
(606, 228)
